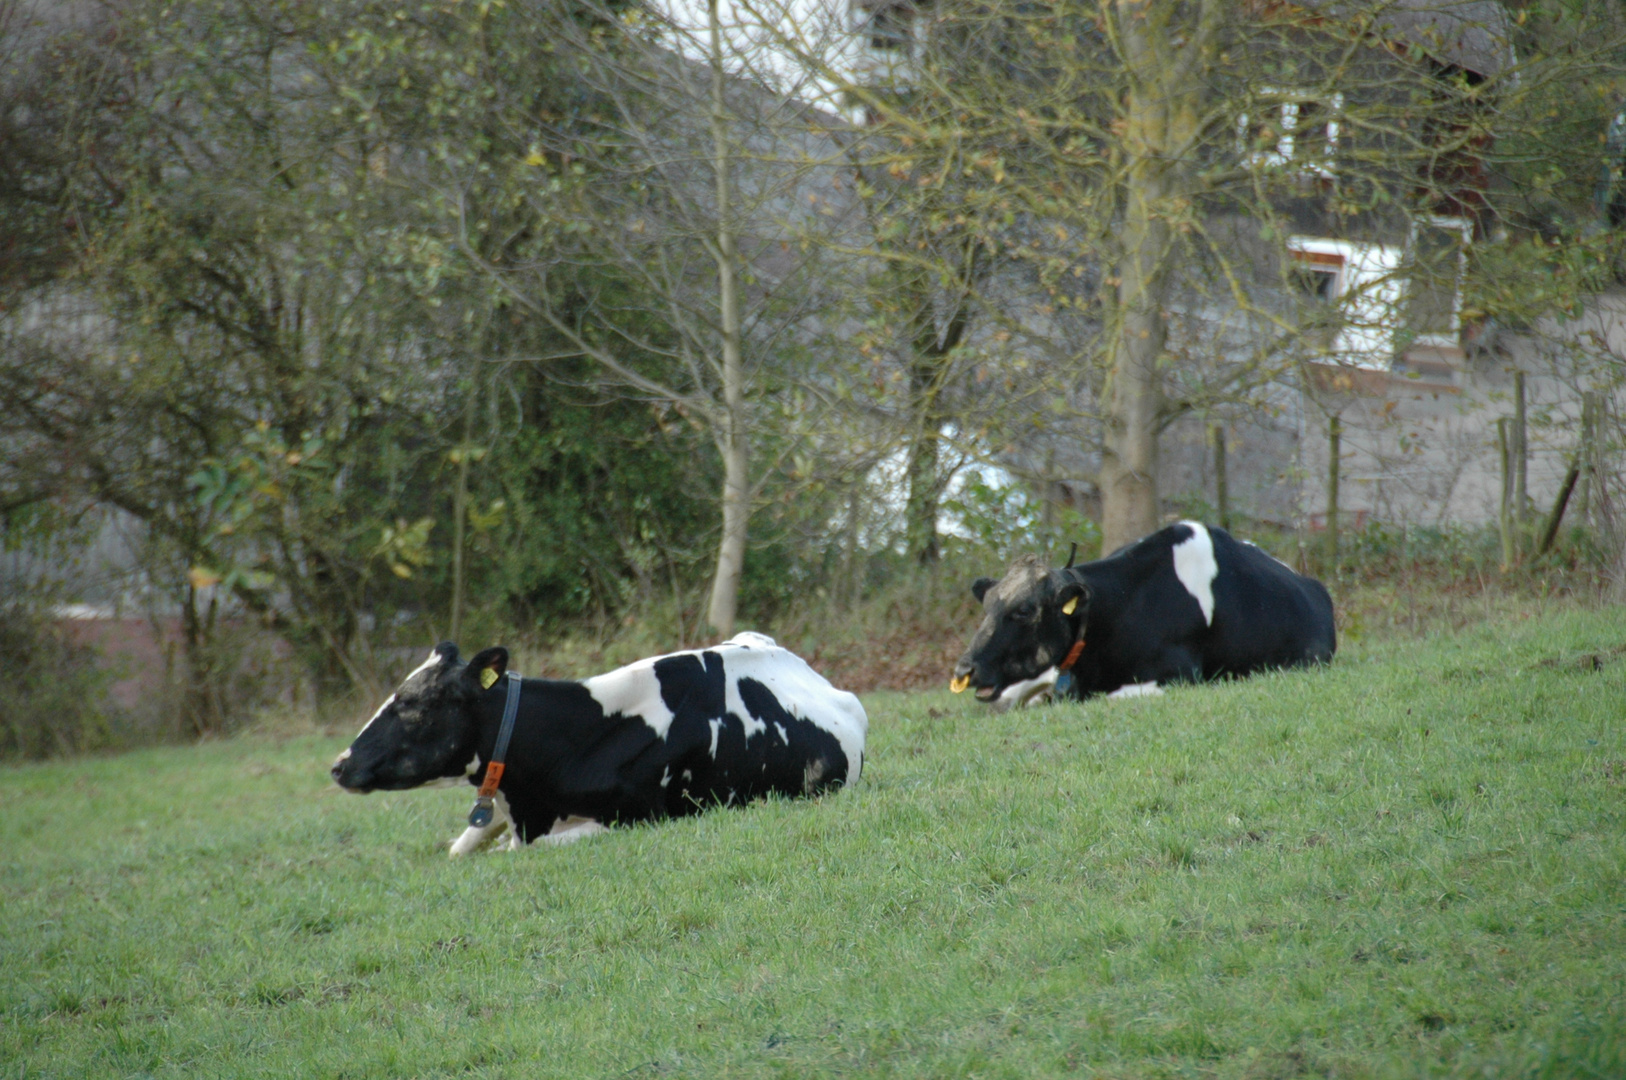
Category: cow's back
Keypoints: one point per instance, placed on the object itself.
(734, 722)
(1265, 613)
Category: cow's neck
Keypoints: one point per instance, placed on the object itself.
(481, 815)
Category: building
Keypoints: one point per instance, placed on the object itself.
(1386, 354)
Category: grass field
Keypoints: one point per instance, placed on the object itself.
(1410, 864)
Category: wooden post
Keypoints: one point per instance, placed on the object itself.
(1553, 519)
(1521, 455)
(1335, 431)
(1601, 511)
(1583, 497)
(1222, 495)
(1505, 517)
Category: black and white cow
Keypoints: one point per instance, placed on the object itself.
(1187, 603)
(661, 737)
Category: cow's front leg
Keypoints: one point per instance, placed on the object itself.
(476, 837)
(1028, 692)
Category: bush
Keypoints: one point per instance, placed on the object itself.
(53, 700)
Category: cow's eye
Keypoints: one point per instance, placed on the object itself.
(1026, 612)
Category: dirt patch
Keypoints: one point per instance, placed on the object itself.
(905, 657)
(1586, 662)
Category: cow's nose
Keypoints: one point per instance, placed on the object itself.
(338, 767)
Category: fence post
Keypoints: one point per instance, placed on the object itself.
(1335, 431)
(1521, 455)
(1505, 517)
(1583, 497)
(1222, 493)
(1602, 512)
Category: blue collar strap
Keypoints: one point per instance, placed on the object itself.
(482, 813)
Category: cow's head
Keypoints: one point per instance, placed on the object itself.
(1031, 618)
(427, 730)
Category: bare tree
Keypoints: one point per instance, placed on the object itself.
(707, 182)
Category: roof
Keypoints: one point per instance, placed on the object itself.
(1475, 35)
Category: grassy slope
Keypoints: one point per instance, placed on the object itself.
(1415, 860)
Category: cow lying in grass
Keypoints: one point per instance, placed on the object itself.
(662, 737)
(1187, 603)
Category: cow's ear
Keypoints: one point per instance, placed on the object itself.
(981, 586)
(1074, 598)
(488, 666)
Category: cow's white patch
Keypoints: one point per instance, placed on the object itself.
(434, 658)
(784, 736)
(687, 776)
(1028, 691)
(716, 730)
(804, 693)
(473, 839)
(380, 712)
(666, 776)
(1194, 565)
(569, 830)
(1140, 689)
(633, 691)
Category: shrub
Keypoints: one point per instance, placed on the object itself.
(53, 700)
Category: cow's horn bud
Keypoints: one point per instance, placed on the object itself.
(959, 683)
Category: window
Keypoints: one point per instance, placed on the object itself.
(1436, 256)
(1362, 280)
(888, 33)
(1294, 131)
(888, 29)
(1316, 273)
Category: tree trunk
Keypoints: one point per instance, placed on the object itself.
(201, 712)
(1222, 485)
(920, 532)
(931, 350)
(725, 588)
(1134, 397)
(460, 516)
(732, 439)
(1166, 48)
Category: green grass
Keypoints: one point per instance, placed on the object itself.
(1410, 864)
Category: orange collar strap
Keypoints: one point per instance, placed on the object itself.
(1072, 655)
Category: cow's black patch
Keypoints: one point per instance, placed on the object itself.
(807, 759)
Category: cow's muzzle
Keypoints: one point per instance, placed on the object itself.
(967, 676)
(344, 774)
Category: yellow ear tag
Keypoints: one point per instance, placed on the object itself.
(1070, 607)
(959, 685)
(487, 677)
